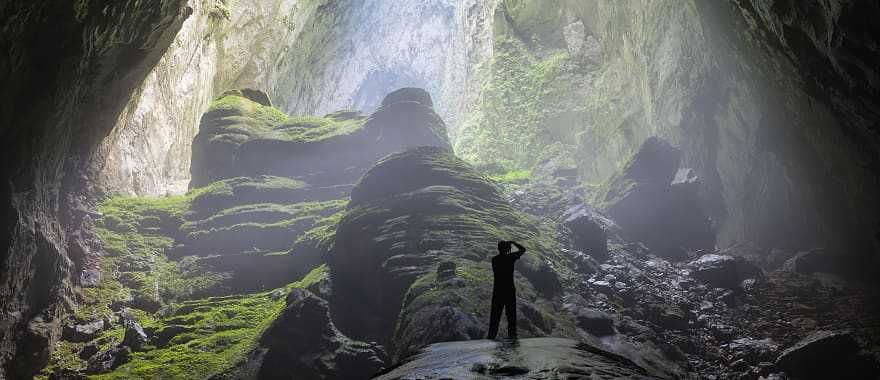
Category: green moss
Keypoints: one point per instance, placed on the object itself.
(220, 332)
(323, 232)
(513, 176)
(237, 114)
(528, 103)
(312, 129)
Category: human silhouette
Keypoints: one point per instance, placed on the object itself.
(503, 290)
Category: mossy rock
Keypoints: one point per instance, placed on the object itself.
(241, 137)
(411, 212)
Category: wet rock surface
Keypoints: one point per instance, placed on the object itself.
(534, 358)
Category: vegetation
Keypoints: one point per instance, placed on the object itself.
(528, 101)
(513, 176)
(237, 114)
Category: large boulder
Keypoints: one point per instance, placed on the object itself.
(535, 358)
(134, 338)
(723, 271)
(108, 360)
(82, 332)
(417, 211)
(303, 343)
(828, 355)
(587, 231)
(645, 202)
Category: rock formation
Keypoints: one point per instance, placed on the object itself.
(535, 358)
(410, 213)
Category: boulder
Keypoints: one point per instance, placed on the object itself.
(721, 271)
(135, 337)
(82, 332)
(88, 351)
(644, 201)
(828, 355)
(533, 358)
(108, 360)
(587, 235)
(595, 322)
(304, 343)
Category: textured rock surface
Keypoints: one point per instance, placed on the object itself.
(303, 343)
(535, 358)
(241, 137)
(223, 45)
(63, 87)
(408, 214)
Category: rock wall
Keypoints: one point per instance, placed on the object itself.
(311, 57)
(68, 70)
(223, 45)
(768, 100)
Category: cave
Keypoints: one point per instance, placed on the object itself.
(291, 189)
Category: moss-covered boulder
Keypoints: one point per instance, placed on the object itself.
(415, 211)
(242, 137)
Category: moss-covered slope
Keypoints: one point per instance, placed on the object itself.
(194, 270)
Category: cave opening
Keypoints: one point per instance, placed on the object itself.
(315, 189)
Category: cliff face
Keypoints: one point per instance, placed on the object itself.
(67, 73)
(769, 101)
(223, 45)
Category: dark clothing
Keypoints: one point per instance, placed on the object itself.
(503, 293)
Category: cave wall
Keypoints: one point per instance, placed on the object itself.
(68, 71)
(771, 102)
(311, 57)
(223, 45)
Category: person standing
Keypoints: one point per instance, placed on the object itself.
(503, 288)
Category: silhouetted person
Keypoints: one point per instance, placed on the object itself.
(503, 290)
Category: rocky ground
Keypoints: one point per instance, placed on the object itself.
(693, 311)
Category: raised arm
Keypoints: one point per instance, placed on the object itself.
(519, 249)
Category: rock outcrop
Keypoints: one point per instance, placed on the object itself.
(409, 214)
(535, 358)
(650, 208)
(303, 343)
(241, 137)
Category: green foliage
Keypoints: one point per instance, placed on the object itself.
(527, 104)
